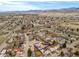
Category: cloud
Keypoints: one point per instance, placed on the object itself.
(1, 3)
(26, 0)
(23, 5)
(16, 6)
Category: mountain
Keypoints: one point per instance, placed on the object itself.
(73, 9)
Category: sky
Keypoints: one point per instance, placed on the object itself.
(24, 5)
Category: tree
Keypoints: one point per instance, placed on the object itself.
(61, 54)
(63, 45)
(72, 29)
(77, 29)
(77, 53)
(68, 35)
(29, 52)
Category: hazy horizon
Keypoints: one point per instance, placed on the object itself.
(23, 5)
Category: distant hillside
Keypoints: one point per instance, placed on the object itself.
(73, 9)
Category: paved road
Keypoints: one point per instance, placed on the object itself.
(74, 43)
(26, 45)
(3, 45)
